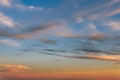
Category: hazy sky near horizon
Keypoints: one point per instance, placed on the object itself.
(60, 39)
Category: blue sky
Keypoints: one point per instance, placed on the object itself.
(60, 22)
(44, 31)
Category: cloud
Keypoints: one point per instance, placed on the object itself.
(104, 14)
(9, 42)
(12, 68)
(114, 25)
(24, 7)
(53, 29)
(97, 36)
(65, 32)
(90, 54)
(5, 3)
(39, 31)
(104, 57)
(79, 19)
(90, 50)
(13, 4)
(7, 21)
(40, 28)
(113, 12)
(94, 12)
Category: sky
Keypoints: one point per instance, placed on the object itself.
(59, 39)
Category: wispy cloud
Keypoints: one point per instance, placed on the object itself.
(114, 12)
(12, 68)
(114, 25)
(97, 11)
(37, 32)
(92, 56)
(104, 57)
(7, 21)
(5, 3)
(10, 42)
(18, 5)
(24, 7)
(91, 50)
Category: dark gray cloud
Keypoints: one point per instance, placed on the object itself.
(55, 50)
(90, 50)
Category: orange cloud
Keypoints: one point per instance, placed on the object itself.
(12, 68)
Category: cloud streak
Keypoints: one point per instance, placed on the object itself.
(51, 30)
(9, 42)
(12, 68)
(88, 55)
(97, 11)
(104, 57)
(7, 21)
(23, 7)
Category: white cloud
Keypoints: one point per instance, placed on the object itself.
(13, 4)
(7, 21)
(5, 3)
(114, 12)
(10, 42)
(114, 25)
(24, 7)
